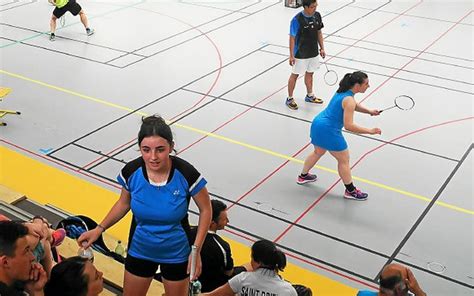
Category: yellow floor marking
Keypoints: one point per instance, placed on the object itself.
(253, 147)
(47, 184)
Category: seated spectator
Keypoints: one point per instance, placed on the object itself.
(54, 237)
(43, 246)
(396, 280)
(18, 271)
(216, 256)
(42, 239)
(75, 276)
(266, 261)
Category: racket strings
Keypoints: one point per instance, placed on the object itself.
(330, 77)
(404, 102)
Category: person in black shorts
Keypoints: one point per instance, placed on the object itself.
(63, 6)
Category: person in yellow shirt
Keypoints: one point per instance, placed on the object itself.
(63, 6)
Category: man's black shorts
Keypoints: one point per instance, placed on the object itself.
(72, 6)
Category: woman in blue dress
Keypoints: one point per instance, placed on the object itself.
(326, 131)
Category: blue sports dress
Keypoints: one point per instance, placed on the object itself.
(326, 128)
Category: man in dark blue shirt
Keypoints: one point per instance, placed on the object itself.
(305, 36)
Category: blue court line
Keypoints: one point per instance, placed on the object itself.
(72, 24)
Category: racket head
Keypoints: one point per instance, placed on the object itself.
(330, 77)
(404, 102)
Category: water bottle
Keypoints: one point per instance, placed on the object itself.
(119, 249)
(196, 287)
(86, 252)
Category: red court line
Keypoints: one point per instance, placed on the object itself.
(353, 279)
(281, 88)
(376, 29)
(415, 57)
(230, 120)
(380, 146)
(181, 113)
(266, 178)
(356, 163)
(235, 233)
(300, 150)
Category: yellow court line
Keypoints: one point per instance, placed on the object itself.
(253, 147)
(47, 184)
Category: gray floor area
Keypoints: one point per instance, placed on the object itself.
(220, 67)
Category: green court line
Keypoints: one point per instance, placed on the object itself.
(71, 24)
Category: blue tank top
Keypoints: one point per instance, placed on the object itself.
(333, 115)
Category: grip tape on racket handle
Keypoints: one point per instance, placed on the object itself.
(193, 261)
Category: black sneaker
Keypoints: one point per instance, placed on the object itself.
(52, 37)
(89, 31)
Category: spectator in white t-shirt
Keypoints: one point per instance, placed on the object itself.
(266, 261)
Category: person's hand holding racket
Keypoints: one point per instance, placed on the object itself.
(375, 131)
(374, 112)
(194, 264)
(322, 53)
(292, 60)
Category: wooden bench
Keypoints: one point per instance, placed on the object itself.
(8, 195)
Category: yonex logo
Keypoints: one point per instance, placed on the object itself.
(176, 192)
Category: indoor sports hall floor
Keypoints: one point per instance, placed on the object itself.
(217, 70)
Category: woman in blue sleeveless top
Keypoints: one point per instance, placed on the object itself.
(326, 131)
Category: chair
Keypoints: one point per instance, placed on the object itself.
(4, 91)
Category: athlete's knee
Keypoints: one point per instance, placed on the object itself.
(319, 151)
(294, 76)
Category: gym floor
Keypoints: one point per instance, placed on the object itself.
(217, 70)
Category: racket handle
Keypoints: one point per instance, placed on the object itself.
(193, 262)
(387, 109)
(327, 69)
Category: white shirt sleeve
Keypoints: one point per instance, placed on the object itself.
(235, 283)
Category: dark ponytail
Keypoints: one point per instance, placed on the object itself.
(350, 79)
(155, 126)
(265, 253)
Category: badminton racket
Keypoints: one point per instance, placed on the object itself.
(402, 102)
(193, 269)
(330, 77)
